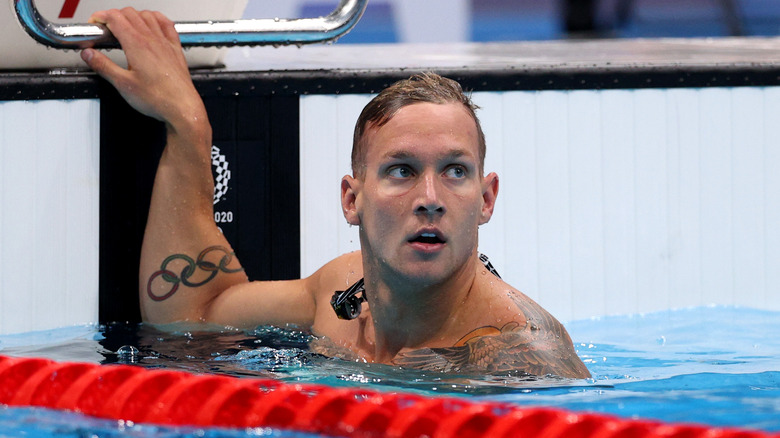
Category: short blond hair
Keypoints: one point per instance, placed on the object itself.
(424, 87)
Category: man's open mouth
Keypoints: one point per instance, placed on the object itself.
(427, 238)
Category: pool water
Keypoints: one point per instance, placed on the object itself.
(712, 365)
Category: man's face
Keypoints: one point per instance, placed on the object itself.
(422, 197)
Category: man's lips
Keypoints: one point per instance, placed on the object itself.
(428, 238)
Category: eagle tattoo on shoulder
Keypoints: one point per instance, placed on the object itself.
(538, 346)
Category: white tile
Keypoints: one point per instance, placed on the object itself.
(318, 161)
(684, 198)
(747, 149)
(20, 269)
(82, 214)
(518, 194)
(49, 194)
(650, 190)
(327, 124)
(49, 204)
(771, 171)
(586, 200)
(620, 270)
(553, 204)
(716, 197)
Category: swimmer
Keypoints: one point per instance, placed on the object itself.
(417, 192)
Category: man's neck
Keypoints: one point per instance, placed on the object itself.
(417, 316)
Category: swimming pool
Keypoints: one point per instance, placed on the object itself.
(714, 365)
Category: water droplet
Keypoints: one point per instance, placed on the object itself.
(128, 354)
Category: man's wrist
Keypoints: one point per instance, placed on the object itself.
(192, 127)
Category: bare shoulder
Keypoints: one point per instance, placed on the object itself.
(531, 342)
(338, 274)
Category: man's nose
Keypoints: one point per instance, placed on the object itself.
(429, 200)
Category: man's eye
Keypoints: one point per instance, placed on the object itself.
(400, 172)
(455, 172)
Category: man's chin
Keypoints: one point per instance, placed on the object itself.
(421, 269)
(424, 274)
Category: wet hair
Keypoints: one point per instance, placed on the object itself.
(424, 87)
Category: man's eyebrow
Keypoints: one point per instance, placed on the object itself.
(398, 155)
(403, 154)
(457, 153)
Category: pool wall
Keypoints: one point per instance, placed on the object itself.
(635, 175)
(49, 213)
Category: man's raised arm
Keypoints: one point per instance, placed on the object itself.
(188, 270)
(182, 246)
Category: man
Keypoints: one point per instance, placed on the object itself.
(420, 296)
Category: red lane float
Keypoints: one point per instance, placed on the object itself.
(179, 398)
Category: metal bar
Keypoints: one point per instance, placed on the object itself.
(265, 31)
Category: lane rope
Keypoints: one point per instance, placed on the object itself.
(178, 398)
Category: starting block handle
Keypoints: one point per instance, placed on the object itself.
(254, 32)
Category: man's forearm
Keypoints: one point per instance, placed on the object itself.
(185, 261)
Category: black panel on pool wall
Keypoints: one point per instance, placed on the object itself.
(255, 164)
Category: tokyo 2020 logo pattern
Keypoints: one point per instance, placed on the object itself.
(223, 174)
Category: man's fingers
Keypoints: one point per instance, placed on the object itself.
(131, 21)
(128, 20)
(167, 28)
(152, 23)
(103, 66)
(146, 21)
(98, 17)
(122, 24)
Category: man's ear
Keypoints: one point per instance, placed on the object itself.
(489, 195)
(350, 188)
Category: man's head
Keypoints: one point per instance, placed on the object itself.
(417, 191)
(425, 87)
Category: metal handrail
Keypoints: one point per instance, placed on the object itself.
(274, 31)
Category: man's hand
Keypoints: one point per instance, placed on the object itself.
(157, 82)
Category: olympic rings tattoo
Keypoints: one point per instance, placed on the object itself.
(192, 265)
